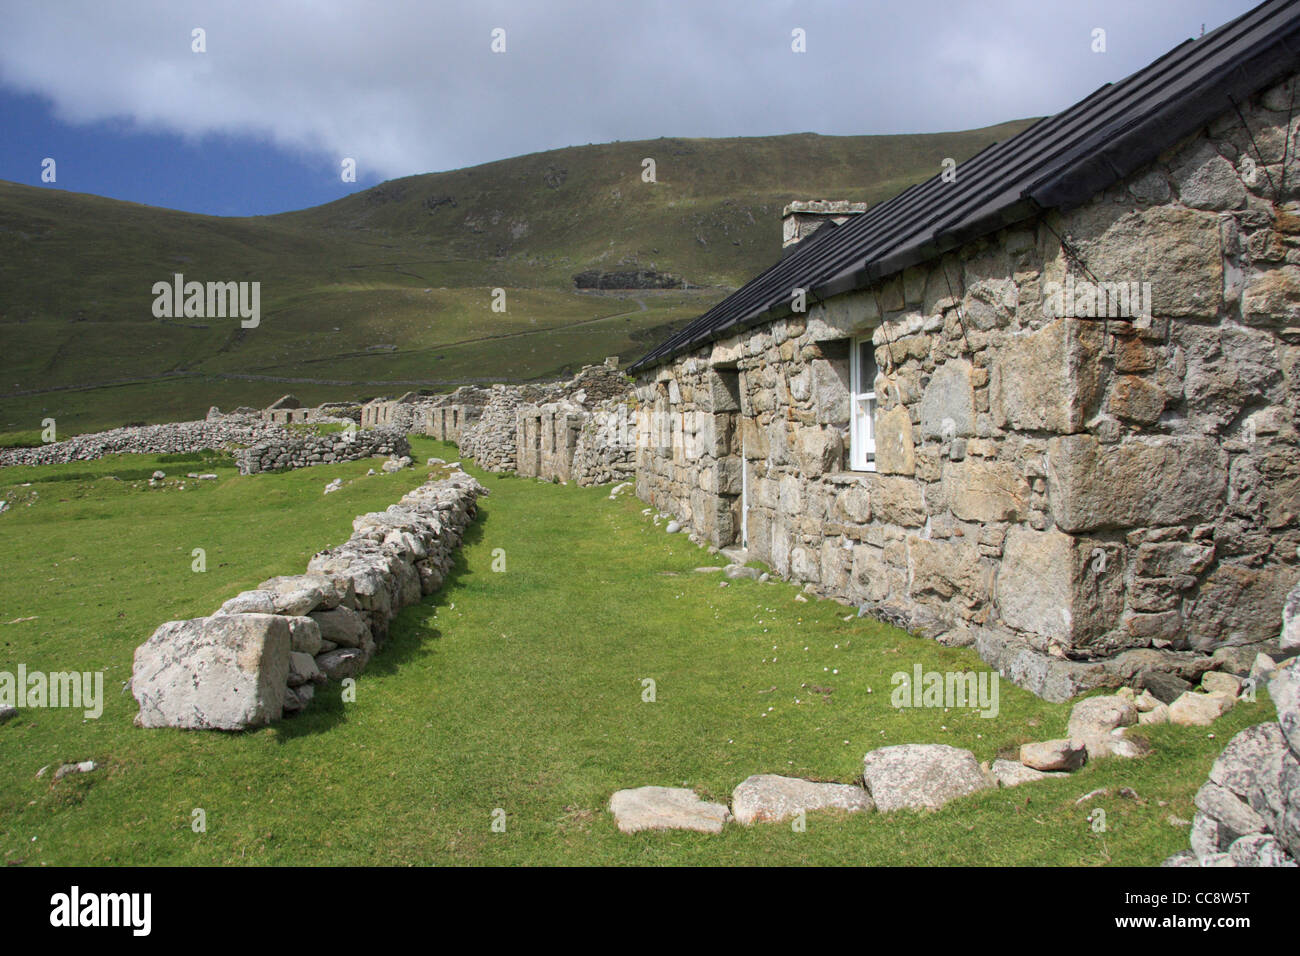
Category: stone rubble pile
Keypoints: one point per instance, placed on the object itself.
(294, 449)
(264, 653)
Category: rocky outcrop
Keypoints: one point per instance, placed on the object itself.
(264, 653)
(627, 279)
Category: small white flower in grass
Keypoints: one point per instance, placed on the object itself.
(836, 671)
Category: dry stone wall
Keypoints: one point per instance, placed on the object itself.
(1084, 500)
(169, 439)
(290, 449)
(606, 446)
(264, 653)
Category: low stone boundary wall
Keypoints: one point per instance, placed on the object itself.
(263, 654)
(168, 439)
(287, 449)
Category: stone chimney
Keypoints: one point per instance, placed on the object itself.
(802, 218)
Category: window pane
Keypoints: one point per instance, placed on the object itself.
(867, 364)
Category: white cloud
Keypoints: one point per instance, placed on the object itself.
(407, 86)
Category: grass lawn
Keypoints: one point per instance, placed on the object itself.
(518, 690)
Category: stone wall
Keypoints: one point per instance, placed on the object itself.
(264, 653)
(606, 446)
(288, 449)
(493, 440)
(447, 416)
(169, 439)
(546, 437)
(1060, 491)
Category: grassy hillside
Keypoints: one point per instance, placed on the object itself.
(392, 286)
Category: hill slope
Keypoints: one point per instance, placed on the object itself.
(392, 286)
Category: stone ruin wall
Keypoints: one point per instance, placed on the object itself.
(546, 437)
(536, 429)
(287, 449)
(1054, 490)
(605, 452)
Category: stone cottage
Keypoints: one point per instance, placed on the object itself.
(1044, 403)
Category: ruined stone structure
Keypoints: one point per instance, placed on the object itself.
(606, 446)
(292, 449)
(447, 416)
(166, 439)
(288, 410)
(398, 412)
(534, 429)
(546, 437)
(956, 440)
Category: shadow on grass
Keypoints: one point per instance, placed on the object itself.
(409, 632)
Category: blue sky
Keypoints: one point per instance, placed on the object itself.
(259, 121)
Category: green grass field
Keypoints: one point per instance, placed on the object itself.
(518, 690)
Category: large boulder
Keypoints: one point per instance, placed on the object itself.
(767, 797)
(225, 672)
(666, 808)
(915, 776)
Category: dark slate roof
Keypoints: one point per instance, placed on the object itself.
(1059, 162)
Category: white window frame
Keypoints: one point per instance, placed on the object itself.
(862, 410)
